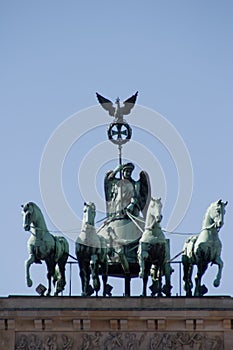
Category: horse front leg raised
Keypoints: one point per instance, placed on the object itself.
(28, 263)
(218, 261)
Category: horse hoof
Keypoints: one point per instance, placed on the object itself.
(29, 283)
(216, 283)
(202, 290)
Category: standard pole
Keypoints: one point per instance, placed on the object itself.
(70, 278)
(120, 163)
(120, 158)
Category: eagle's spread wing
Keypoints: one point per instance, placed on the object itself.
(128, 104)
(106, 104)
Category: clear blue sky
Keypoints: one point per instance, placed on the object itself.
(55, 55)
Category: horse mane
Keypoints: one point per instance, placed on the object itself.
(206, 215)
(36, 207)
(157, 201)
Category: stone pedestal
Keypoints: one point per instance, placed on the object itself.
(76, 323)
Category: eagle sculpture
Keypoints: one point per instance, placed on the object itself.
(117, 112)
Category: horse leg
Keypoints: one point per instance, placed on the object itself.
(167, 272)
(82, 277)
(156, 283)
(104, 279)
(187, 275)
(142, 257)
(104, 268)
(84, 267)
(190, 283)
(142, 266)
(95, 273)
(201, 268)
(61, 282)
(28, 263)
(50, 273)
(160, 282)
(218, 261)
(145, 278)
(61, 264)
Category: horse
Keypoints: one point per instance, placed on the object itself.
(205, 248)
(42, 245)
(153, 252)
(91, 251)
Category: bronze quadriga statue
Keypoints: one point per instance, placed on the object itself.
(130, 242)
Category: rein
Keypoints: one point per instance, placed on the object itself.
(132, 218)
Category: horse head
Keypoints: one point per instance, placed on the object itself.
(27, 213)
(156, 207)
(154, 212)
(30, 214)
(89, 212)
(217, 211)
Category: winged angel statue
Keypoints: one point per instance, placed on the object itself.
(117, 112)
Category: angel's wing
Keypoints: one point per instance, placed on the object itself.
(145, 192)
(128, 104)
(106, 104)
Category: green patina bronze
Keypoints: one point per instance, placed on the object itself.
(203, 249)
(154, 252)
(42, 245)
(124, 193)
(130, 242)
(117, 112)
(91, 251)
